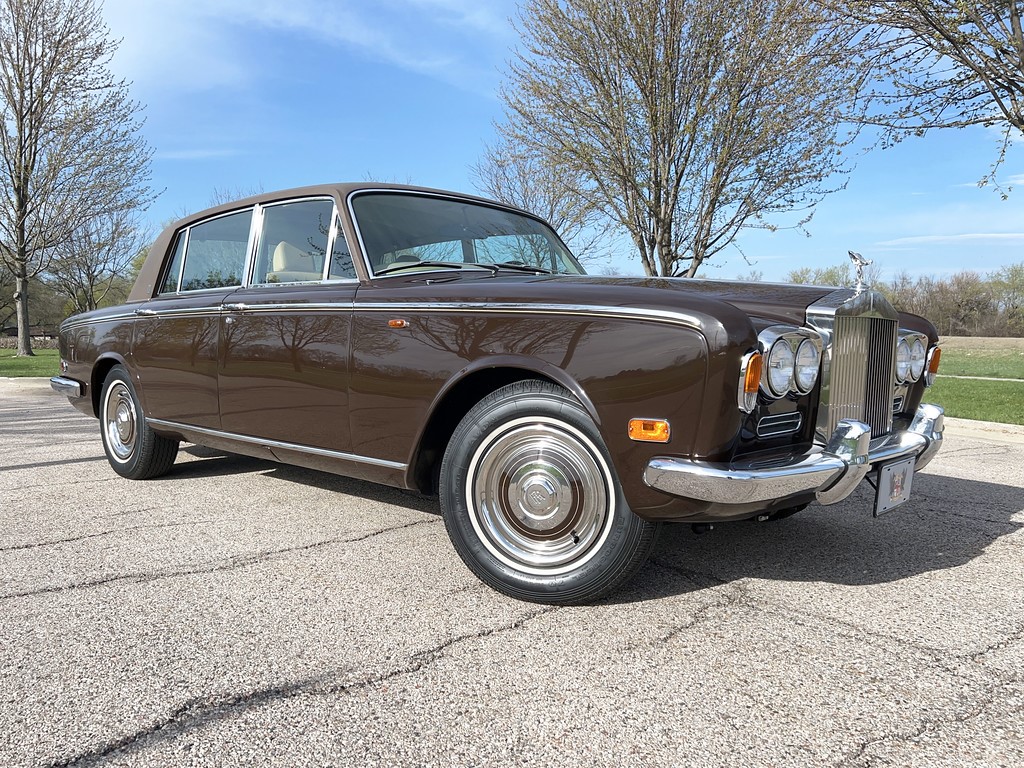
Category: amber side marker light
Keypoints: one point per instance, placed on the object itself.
(649, 430)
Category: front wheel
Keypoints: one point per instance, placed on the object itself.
(531, 502)
(133, 449)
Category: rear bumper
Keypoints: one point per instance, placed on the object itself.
(830, 472)
(65, 386)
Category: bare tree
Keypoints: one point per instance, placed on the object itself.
(525, 177)
(70, 148)
(7, 302)
(943, 63)
(95, 261)
(839, 275)
(686, 119)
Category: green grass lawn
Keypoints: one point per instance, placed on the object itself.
(1001, 401)
(46, 362)
(999, 364)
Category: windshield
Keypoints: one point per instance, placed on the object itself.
(400, 228)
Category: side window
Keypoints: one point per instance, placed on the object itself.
(215, 256)
(342, 267)
(170, 283)
(293, 244)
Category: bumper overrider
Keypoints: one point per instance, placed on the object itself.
(831, 472)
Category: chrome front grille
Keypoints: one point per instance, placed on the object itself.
(863, 356)
(860, 363)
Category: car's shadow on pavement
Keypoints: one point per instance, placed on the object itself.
(210, 462)
(948, 522)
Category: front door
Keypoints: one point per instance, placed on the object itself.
(284, 339)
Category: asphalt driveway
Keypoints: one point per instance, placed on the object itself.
(240, 612)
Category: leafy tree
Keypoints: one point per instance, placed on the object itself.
(685, 120)
(70, 148)
(943, 63)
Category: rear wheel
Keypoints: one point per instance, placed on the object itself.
(133, 449)
(531, 502)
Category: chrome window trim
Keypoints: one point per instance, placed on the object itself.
(440, 196)
(172, 425)
(181, 267)
(257, 239)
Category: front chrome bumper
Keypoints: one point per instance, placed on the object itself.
(831, 472)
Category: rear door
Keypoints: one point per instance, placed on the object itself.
(176, 343)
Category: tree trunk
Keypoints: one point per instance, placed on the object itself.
(21, 303)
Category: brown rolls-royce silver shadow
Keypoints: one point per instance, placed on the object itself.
(439, 342)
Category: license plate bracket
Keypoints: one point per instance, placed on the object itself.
(894, 482)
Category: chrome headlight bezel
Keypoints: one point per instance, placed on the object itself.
(781, 346)
(778, 369)
(806, 366)
(918, 358)
(911, 357)
(902, 360)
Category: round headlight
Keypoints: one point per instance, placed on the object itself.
(902, 360)
(917, 359)
(779, 368)
(805, 371)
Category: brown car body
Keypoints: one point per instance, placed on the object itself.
(370, 376)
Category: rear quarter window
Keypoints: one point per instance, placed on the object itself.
(214, 254)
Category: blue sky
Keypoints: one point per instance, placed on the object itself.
(244, 95)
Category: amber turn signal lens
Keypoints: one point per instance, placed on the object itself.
(398, 323)
(753, 378)
(649, 430)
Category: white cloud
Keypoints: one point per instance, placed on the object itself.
(989, 238)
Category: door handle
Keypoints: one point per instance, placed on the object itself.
(145, 312)
(234, 307)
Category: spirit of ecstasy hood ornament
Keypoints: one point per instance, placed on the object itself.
(859, 262)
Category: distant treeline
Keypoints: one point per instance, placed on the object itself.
(965, 304)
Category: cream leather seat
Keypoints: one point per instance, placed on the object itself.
(292, 265)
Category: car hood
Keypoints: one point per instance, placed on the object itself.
(777, 302)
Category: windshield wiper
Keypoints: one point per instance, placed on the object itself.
(402, 265)
(521, 267)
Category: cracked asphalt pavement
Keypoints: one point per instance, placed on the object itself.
(239, 612)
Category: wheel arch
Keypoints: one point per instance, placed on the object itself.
(100, 370)
(464, 390)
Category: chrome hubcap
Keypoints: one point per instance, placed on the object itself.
(120, 425)
(540, 495)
